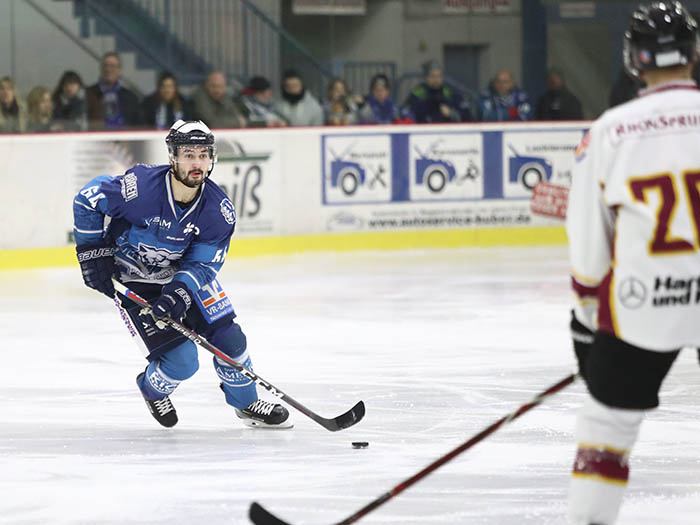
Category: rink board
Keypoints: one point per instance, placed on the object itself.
(301, 189)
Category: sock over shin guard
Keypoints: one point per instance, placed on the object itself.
(605, 437)
(155, 384)
(239, 390)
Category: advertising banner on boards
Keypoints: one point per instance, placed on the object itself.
(442, 179)
(310, 181)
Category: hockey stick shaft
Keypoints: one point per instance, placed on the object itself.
(339, 423)
(260, 516)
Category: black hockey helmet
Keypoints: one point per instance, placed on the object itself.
(190, 133)
(660, 34)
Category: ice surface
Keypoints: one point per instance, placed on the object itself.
(439, 344)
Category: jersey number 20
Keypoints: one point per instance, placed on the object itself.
(664, 184)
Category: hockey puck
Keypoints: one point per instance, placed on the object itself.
(360, 444)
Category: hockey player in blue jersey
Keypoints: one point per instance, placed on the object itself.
(164, 231)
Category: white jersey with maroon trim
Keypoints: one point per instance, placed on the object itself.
(633, 220)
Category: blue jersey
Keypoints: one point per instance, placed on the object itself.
(156, 240)
(513, 106)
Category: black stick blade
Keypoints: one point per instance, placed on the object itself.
(260, 516)
(352, 416)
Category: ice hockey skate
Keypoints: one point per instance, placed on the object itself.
(263, 414)
(162, 410)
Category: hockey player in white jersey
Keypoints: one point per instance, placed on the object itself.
(633, 223)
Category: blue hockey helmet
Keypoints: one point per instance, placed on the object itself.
(660, 34)
(191, 133)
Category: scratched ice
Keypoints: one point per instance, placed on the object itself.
(438, 344)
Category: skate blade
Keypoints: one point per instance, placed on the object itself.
(252, 423)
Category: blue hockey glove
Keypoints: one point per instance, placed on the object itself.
(97, 264)
(174, 301)
(583, 339)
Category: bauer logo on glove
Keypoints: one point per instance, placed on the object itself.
(174, 301)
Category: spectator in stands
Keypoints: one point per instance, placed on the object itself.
(504, 101)
(377, 107)
(13, 113)
(433, 101)
(298, 106)
(214, 106)
(69, 105)
(111, 105)
(339, 108)
(626, 88)
(558, 103)
(40, 111)
(166, 105)
(257, 105)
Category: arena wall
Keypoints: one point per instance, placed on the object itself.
(303, 189)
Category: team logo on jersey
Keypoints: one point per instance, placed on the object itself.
(228, 211)
(580, 152)
(632, 293)
(157, 256)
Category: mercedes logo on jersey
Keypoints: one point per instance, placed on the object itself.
(632, 293)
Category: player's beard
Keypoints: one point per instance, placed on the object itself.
(187, 180)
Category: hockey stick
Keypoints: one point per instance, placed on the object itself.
(343, 421)
(260, 516)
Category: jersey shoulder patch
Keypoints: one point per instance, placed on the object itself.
(141, 179)
(227, 211)
(581, 149)
(130, 187)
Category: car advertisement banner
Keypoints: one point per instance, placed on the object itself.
(445, 166)
(357, 168)
(446, 179)
(530, 157)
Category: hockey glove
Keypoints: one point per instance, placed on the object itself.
(174, 301)
(583, 339)
(97, 264)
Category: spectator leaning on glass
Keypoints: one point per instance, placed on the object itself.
(69, 105)
(165, 106)
(377, 106)
(433, 101)
(504, 101)
(298, 106)
(214, 106)
(339, 108)
(111, 105)
(13, 113)
(40, 111)
(257, 105)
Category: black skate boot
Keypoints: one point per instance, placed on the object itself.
(263, 414)
(162, 410)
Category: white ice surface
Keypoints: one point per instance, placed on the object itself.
(439, 344)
